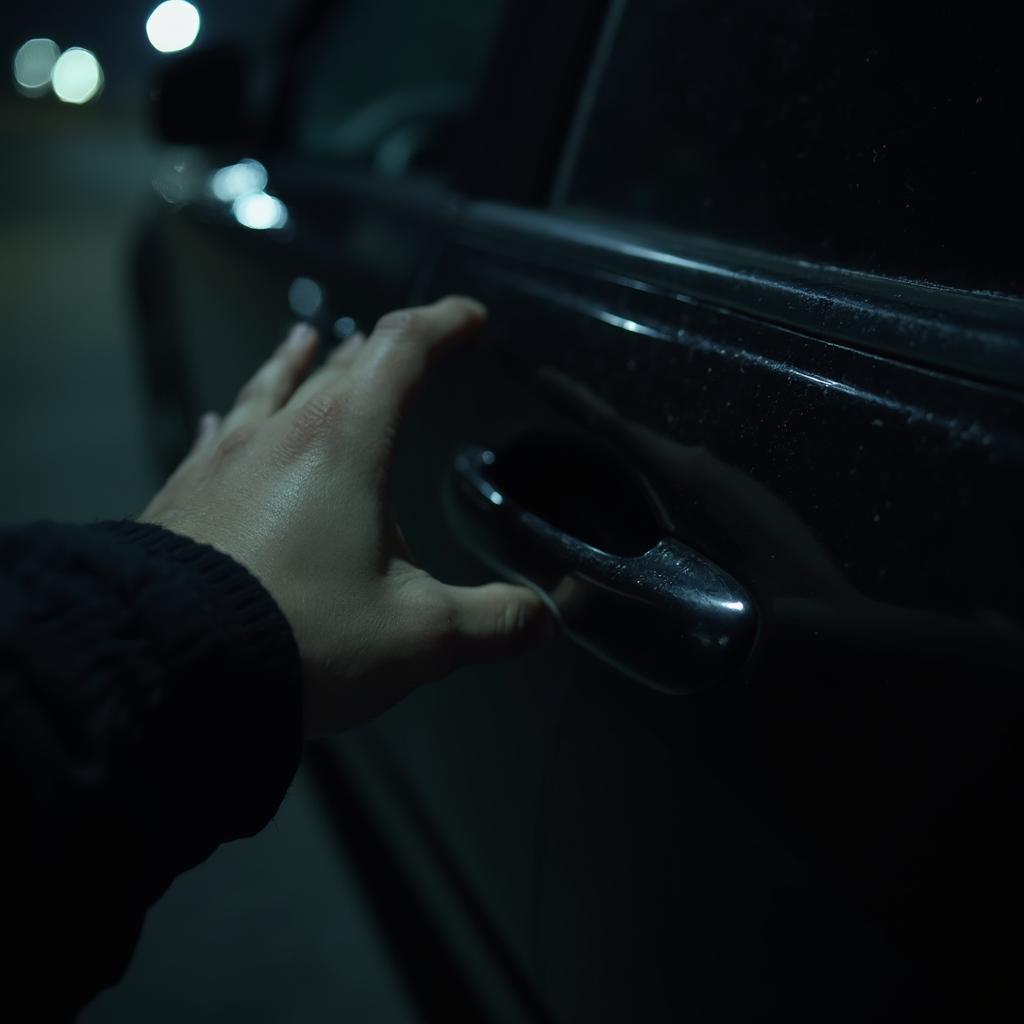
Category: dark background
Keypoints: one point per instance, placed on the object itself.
(273, 929)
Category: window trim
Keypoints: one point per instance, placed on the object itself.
(569, 157)
(529, 99)
(529, 94)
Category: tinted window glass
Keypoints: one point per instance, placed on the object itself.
(390, 82)
(887, 137)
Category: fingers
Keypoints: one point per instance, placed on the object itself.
(393, 360)
(344, 354)
(495, 621)
(403, 345)
(337, 363)
(206, 432)
(375, 378)
(384, 370)
(276, 380)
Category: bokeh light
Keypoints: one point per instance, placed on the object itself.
(344, 328)
(260, 210)
(173, 26)
(77, 76)
(228, 183)
(306, 297)
(33, 66)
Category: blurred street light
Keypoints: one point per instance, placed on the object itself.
(235, 180)
(260, 211)
(33, 66)
(77, 76)
(173, 26)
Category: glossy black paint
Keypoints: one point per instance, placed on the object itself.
(829, 833)
(866, 755)
(857, 133)
(972, 334)
(870, 506)
(721, 410)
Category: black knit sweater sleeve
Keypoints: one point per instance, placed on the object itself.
(149, 710)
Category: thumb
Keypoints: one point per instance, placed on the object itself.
(496, 621)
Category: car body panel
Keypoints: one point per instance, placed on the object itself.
(826, 479)
(828, 832)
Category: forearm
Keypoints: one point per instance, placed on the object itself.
(150, 711)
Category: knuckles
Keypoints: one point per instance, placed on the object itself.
(510, 621)
(248, 391)
(234, 441)
(316, 421)
(270, 381)
(402, 323)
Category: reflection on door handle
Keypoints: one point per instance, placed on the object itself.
(657, 610)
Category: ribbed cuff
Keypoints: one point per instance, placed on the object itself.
(152, 710)
(253, 706)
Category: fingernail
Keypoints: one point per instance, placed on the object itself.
(207, 423)
(299, 337)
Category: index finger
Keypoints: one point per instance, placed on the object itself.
(404, 344)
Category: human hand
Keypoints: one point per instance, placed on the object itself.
(294, 483)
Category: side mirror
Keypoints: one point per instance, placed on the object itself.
(203, 98)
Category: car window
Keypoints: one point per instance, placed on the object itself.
(390, 82)
(877, 136)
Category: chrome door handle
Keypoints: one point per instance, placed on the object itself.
(656, 609)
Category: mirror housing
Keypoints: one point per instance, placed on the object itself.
(202, 98)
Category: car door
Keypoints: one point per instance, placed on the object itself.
(756, 324)
(754, 305)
